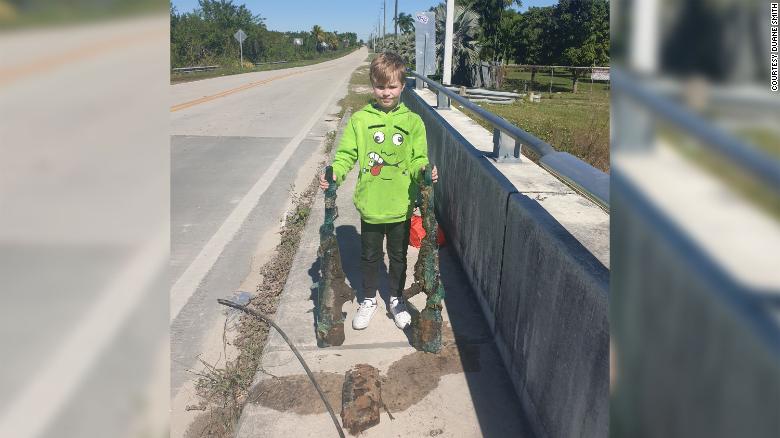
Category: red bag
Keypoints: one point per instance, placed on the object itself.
(417, 233)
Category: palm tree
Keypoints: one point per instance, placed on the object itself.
(319, 35)
(404, 47)
(465, 45)
(405, 22)
(333, 41)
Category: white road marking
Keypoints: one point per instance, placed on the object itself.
(189, 281)
(41, 401)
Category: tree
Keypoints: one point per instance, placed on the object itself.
(535, 38)
(405, 22)
(465, 42)
(508, 36)
(404, 47)
(205, 37)
(582, 30)
(332, 40)
(490, 16)
(319, 35)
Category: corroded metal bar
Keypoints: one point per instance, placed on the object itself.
(332, 289)
(426, 325)
(361, 398)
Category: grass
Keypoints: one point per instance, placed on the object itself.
(177, 78)
(754, 191)
(577, 123)
(519, 80)
(764, 139)
(73, 12)
(359, 94)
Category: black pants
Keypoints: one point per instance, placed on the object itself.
(371, 237)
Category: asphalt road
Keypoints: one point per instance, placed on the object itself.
(83, 229)
(238, 144)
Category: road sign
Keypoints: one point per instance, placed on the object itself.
(424, 42)
(599, 73)
(240, 36)
(298, 41)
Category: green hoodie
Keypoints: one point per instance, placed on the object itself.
(390, 148)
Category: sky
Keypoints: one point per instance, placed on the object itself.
(359, 16)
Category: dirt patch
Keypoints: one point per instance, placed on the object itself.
(408, 381)
(297, 393)
(214, 423)
(414, 376)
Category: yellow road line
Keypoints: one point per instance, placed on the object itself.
(53, 61)
(204, 99)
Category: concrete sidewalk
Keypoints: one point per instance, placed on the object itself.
(463, 391)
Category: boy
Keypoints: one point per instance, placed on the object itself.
(388, 142)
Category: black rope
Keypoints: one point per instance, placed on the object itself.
(294, 350)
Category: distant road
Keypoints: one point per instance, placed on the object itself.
(84, 229)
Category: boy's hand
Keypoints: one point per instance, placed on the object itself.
(434, 173)
(323, 183)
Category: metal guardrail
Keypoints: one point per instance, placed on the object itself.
(508, 140)
(272, 62)
(754, 161)
(195, 68)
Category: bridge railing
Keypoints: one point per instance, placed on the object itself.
(682, 322)
(194, 69)
(508, 141)
(649, 105)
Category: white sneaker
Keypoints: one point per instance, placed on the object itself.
(364, 313)
(400, 314)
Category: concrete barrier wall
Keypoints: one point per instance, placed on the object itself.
(543, 294)
(696, 356)
(552, 322)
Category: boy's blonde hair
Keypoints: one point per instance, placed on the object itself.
(386, 67)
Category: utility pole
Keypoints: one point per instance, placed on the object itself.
(446, 77)
(644, 38)
(395, 20)
(384, 22)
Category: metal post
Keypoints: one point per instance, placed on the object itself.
(425, 57)
(395, 28)
(591, 83)
(241, 48)
(442, 101)
(633, 128)
(384, 26)
(505, 148)
(644, 40)
(552, 69)
(446, 78)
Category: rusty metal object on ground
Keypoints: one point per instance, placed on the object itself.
(361, 398)
(426, 325)
(332, 289)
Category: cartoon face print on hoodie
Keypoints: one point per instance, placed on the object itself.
(386, 154)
